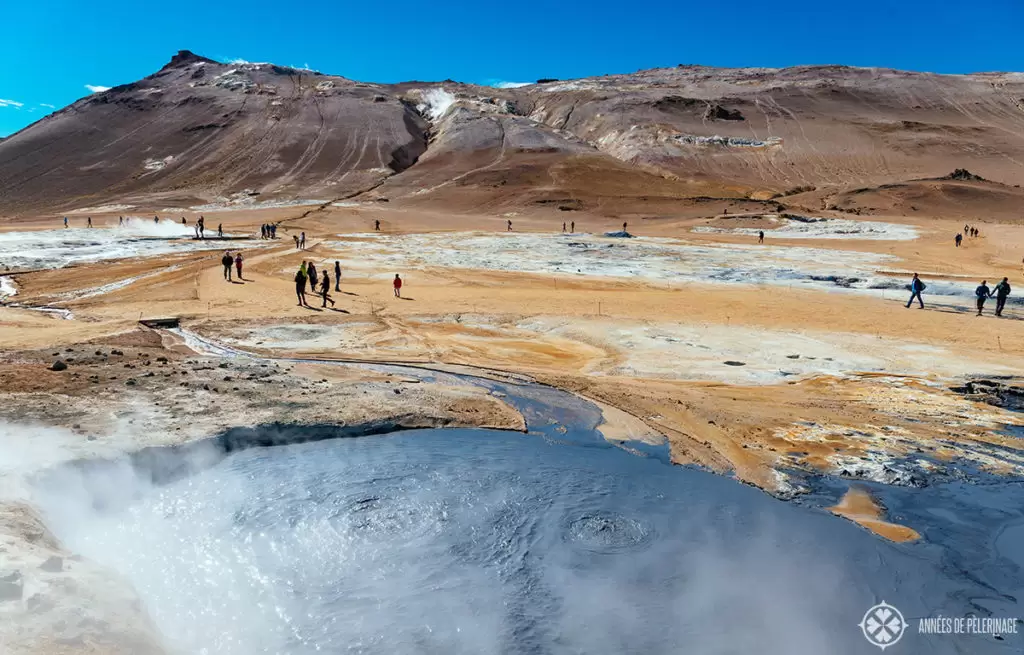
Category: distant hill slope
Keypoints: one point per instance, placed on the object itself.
(198, 131)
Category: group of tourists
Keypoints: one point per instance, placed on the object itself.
(307, 273)
(300, 241)
(268, 231)
(968, 231)
(227, 260)
(981, 294)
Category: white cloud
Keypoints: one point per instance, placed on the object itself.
(237, 60)
(48, 106)
(510, 85)
(11, 103)
(97, 89)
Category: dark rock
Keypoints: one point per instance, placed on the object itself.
(964, 174)
(720, 113)
(58, 365)
(53, 564)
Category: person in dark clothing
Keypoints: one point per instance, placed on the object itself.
(572, 227)
(88, 221)
(982, 293)
(563, 227)
(183, 221)
(337, 276)
(300, 287)
(1002, 292)
(624, 224)
(220, 230)
(238, 265)
(65, 221)
(325, 287)
(273, 231)
(959, 239)
(120, 220)
(376, 225)
(302, 241)
(227, 260)
(916, 287)
(313, 279)
(760, 236)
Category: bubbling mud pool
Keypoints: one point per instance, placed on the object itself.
(475, 541)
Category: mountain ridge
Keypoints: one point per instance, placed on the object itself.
(198, 131)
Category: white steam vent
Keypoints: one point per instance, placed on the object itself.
(435, 103)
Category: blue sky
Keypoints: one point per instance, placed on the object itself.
(51, 50)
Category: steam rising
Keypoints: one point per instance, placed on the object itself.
(451, 541)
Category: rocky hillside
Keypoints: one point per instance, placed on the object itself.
(199, 132)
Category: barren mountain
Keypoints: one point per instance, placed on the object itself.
(199, 132)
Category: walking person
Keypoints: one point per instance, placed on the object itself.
(376, 225)
(325, 288)
(302, 241)
(238, 264)
(509, 228)
(65, 222)
(220, 230)
(300, 285)
(88, 221)
(982, 293)
(959, 239)
(760, 236)
(1002, 291)
(624, 224)
(337, 276)
(296, 237)
(563, 227)
(916, 287)
(120, 221)
(572, 227)
(202, 227)
(226, 261)
(183, 221)
(397, 284)
(313, 279)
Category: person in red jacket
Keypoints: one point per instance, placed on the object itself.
(238, 265)
(398, 286)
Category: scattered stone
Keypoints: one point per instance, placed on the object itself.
(58, 365)
(730, 362)
(222, 365)
(116, 352)
(130, 382)
(53, 564)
